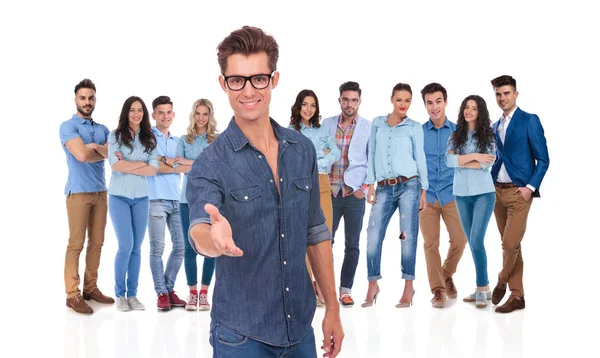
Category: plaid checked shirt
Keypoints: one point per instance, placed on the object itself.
(343, 136)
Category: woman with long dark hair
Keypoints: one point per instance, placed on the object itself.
(472, 151)
(306, 119)
(201, 131)
(132, 156)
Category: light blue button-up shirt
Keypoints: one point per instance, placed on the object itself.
(164, 185)
(439, 174)
(83, 177)
(396, 151)
(322, 140)
(467, 181)
(189, 151)
(124, 184)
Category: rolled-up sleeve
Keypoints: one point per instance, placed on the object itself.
(68, 131)
(202, 188)
(451, 159)
(153, 158)
(317, 230)
(419, 151)
(113, 147)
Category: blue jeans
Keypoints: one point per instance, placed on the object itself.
(165, 212)
(191, 269)
(353, 210)
(228, 344)
(129, 218)
(475, 212)
(405, 197)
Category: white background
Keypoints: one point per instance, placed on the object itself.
(154, 48)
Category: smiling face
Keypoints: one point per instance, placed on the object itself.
(136, 114)
(349, 103)
(436, 106)
(401, 101)
(85, 101)
(308, 109)
(201, 116)
(506, 97)
(163, 115)
(249, 104)
(471, 113)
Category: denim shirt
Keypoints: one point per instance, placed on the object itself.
(164, 186)
(396, 151)
(322, 140)
(189, 151)
(266, 294)
(468, 181)
(125, 184)
(439, 174)
(83, 177)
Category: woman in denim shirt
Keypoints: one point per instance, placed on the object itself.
(472, 151)
(201, 131)
(132, 156)
(397, 164)
(305, 118)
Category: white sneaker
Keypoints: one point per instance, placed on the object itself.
(203, 304)
(135, 304)
(122, 304)
(192, 302)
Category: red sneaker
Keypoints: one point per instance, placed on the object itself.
(175, 300)
(163, 302)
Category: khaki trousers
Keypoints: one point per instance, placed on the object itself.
(429, 220)
(86, 212)
(511, 212)
(326, 207)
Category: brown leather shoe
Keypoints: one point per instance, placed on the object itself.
(439, 299)
(78, 305)
(97, 296)
(451, 291)
(498, 293)
(346, 300)
(513, 303)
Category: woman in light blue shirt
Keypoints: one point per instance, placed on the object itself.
(132, 157)
(472, 151)
(397, 164)
(201, 131)
(306, 119)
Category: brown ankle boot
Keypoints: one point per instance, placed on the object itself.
(78, 305)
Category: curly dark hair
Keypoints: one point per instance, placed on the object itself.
(484, 134)
(296, 119)
(123, 134)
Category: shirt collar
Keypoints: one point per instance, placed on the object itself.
(354, 120)
(510, 115)
(82, 120)
(239, 140)
(157, 132)
(430, 124)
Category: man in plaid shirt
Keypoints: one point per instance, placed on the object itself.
(347, 176)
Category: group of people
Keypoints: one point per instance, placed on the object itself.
(144, 191)
(262, 203)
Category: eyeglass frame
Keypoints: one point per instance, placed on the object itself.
(353, 101)
(246, 79)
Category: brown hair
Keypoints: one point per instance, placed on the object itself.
(504, 80)
(247, 41)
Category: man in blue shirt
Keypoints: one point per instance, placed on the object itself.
(254, 205)
(440, 201)
(85, 144)
(163, 192)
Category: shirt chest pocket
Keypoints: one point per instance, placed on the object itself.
(302, 189)
(402, 142)
(246, 204)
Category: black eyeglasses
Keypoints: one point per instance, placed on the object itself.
(237, 83)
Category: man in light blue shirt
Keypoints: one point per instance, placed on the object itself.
(164, 193)
(440, 200)
(85, 144)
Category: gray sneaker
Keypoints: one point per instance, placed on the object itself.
(122, 304)
(481, 298)
(135, 304)
(485, 296)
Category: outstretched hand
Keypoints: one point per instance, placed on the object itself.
(220, 232)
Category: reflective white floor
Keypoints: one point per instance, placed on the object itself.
(552, 324)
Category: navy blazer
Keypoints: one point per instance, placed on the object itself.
(524, 152)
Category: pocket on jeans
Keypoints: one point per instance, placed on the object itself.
(230, 338)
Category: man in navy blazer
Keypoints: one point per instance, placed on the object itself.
(522, 162)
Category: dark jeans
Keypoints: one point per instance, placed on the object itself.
(353, 210)
(228, 344)
(189, 257)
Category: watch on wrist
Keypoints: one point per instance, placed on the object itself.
(163, 159)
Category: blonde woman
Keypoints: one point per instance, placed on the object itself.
(201, 131)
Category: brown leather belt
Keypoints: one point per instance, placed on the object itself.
(505, 185)
(395, 181)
